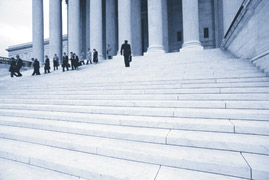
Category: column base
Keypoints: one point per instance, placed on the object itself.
(191, 46)
(152, 50)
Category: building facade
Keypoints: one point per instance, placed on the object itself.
(150, 26)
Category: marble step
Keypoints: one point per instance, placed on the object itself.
(212, 161)
(166, 173)
(260, 162)
(240, 114)
(223, 85)
(89, 91)
(251, 127)
(141, 103)
(141, 134)
(152, 87)
(15, 170)
(204, 140)
(150, 83)
(16, 117)
(205, 97)
(69, 91)
(83, 165)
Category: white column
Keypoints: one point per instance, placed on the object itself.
(136, 28)
(55, 31)
(96, 27)
(38, 30)
(111, 26)
(190, 25)
(73, 26)
(124, 22)
(156, 26)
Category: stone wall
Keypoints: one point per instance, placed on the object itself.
(249, 35)
(206, 20)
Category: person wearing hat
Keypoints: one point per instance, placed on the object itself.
(126, 52)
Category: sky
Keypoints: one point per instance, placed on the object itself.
(16, 22)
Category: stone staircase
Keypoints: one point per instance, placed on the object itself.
(202, 115)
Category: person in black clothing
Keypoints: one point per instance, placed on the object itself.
(47, 65)
(18, 65)
(36, 67)
(13, 68)
(72, 59)
(55, 62)
(75, 61)
(65, 62)
(126, 52)
(95, 56)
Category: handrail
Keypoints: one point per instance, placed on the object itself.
(5, 60)
(236, 16)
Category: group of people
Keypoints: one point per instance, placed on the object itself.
(16, 65)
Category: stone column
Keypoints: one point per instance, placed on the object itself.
(96, 27)
(111, 26)
(136, 27)
(156, 12)
(124, 22)
(38, 30)
(190, 25)
(73, 26)
(55, 31)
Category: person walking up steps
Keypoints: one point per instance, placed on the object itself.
(36, 68)
(65, 62)
(95, 56)
(89, 56)
(13, 68)
(126, 52)
(55, 62)
(47, 65)
(18, 65)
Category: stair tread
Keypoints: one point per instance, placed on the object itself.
(184, 157)
(13, 170)
(84, 165)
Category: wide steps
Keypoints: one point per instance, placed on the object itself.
(204, 140)
(150, 103)
(14, 170)
(240, 114)
(226, 163)
(79, 164)
(196, 116)
(196, 124)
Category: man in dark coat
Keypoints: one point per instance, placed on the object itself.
(95, 56)
(47, 65)
(36, 67)
(126, 52)
(13, 68)
(19, 65)
(72, 59)
(75, 61)
(65, 62)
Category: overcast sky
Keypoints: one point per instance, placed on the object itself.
(16, 22)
